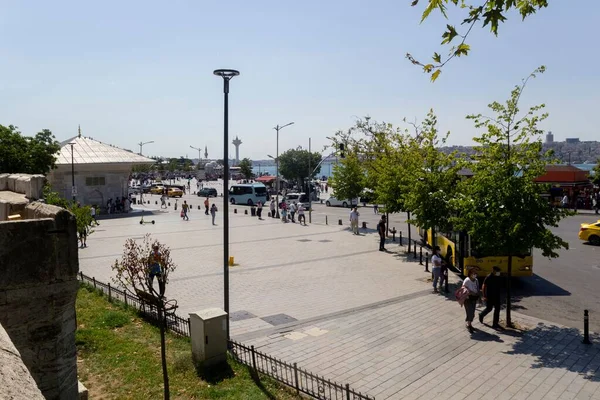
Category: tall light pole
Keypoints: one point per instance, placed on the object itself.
(226, 74)
(73, 190)
(141, 144)
(199, 152)
(278, 128)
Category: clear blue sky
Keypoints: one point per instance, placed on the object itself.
(142, 70)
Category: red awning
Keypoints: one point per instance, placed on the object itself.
(265, 179)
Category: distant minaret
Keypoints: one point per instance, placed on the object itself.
(236, 142)
(205, 152)
(79, 130)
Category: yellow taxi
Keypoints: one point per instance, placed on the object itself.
(590, 233)
(174, 192)
(157, 189)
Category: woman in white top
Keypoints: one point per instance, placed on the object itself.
(472, 284)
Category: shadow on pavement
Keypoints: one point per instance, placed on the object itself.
(484, 336)
(560, 347)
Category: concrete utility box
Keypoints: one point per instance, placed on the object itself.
(208, 332)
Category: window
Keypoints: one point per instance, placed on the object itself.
(95, 181)
(260, 191)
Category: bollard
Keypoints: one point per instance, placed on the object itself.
(326, 220)
(421, 255)
(415, 250)
(400, 238)
(364, 225)
(235, 210)
(446, 283)
(169, 204)
(586, 327)
(245, 212)
(155, 202)
(339, 221)
(394, 234)
(198, 207)
(426, 262)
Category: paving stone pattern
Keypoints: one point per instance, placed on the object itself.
(328, 300)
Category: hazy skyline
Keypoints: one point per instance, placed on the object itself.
(138, 71)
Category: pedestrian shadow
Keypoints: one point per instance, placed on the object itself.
(483, 336)
(560, 347)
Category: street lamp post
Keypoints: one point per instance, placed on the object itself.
(73, 190)
(141, 144)
(199, 152)
(278, 128)
(226, 74)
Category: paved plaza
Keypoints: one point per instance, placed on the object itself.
(328, 300)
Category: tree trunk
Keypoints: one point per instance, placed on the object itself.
(163, 350)
(508, 318)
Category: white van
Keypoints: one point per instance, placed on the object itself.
(249, 194)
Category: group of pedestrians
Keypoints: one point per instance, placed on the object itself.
(288, 212)
(208, 209)
(469, 294)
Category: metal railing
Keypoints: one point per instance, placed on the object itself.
(175, 323)
(286, 373)
(293, 376)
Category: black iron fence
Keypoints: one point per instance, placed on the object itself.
(289, 374)
(175, 323)
(294, 376)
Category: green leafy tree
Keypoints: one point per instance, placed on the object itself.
(502, 205)
(29, 155)
(596, 177)
(348, 177)
(246, 168)
(83, 214)
(433, 178)
(486, 12)
(294, 165)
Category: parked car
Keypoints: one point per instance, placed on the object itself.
(174, 192)
(332, 201)
(590, 233)
(157, 189)
(298, 198)
(207, 192)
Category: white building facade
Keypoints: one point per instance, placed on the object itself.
(101, 171)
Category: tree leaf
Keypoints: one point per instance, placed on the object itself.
(435, 75)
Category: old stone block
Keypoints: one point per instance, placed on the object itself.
(3, 182)
(12, 181)
(36, 187)
(15, 380)
(22, 184)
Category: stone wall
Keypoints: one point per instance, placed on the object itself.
(38, 287)
(15, 380)
(17, 190)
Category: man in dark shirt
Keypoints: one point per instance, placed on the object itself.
(492, 288)
(381, 230)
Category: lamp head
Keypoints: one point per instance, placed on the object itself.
(226, 73)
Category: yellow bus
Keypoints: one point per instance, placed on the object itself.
(460, 252)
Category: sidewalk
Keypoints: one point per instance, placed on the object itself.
(328, 300)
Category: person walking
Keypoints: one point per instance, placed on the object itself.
(293, 208)
(354, 220)
(163, 201)
(93, 211)
(436, 267)
(565, 201)
(375, 209)
(272, 208)
(213, 212)
(284, 214)
(206, 204)
(472, 285)
(259, 207)
(155, 268)
(492, 289)
(301, 217)
(184, 210)
(381, 231)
